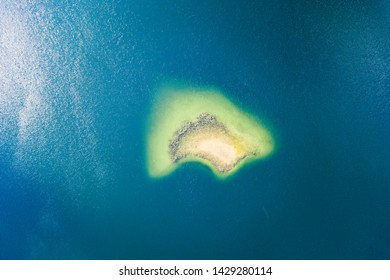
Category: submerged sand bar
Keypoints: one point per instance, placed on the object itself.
(193, 125)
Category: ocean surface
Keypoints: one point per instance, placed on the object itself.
(77, 83)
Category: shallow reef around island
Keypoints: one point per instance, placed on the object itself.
(202, 125)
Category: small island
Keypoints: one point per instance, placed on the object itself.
(210, 140)
(197, 125)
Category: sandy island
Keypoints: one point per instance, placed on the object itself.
(202, 125)
(208, 139)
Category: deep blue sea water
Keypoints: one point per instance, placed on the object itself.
(77, 81)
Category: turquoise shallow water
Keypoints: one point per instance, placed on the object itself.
(77, 81)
